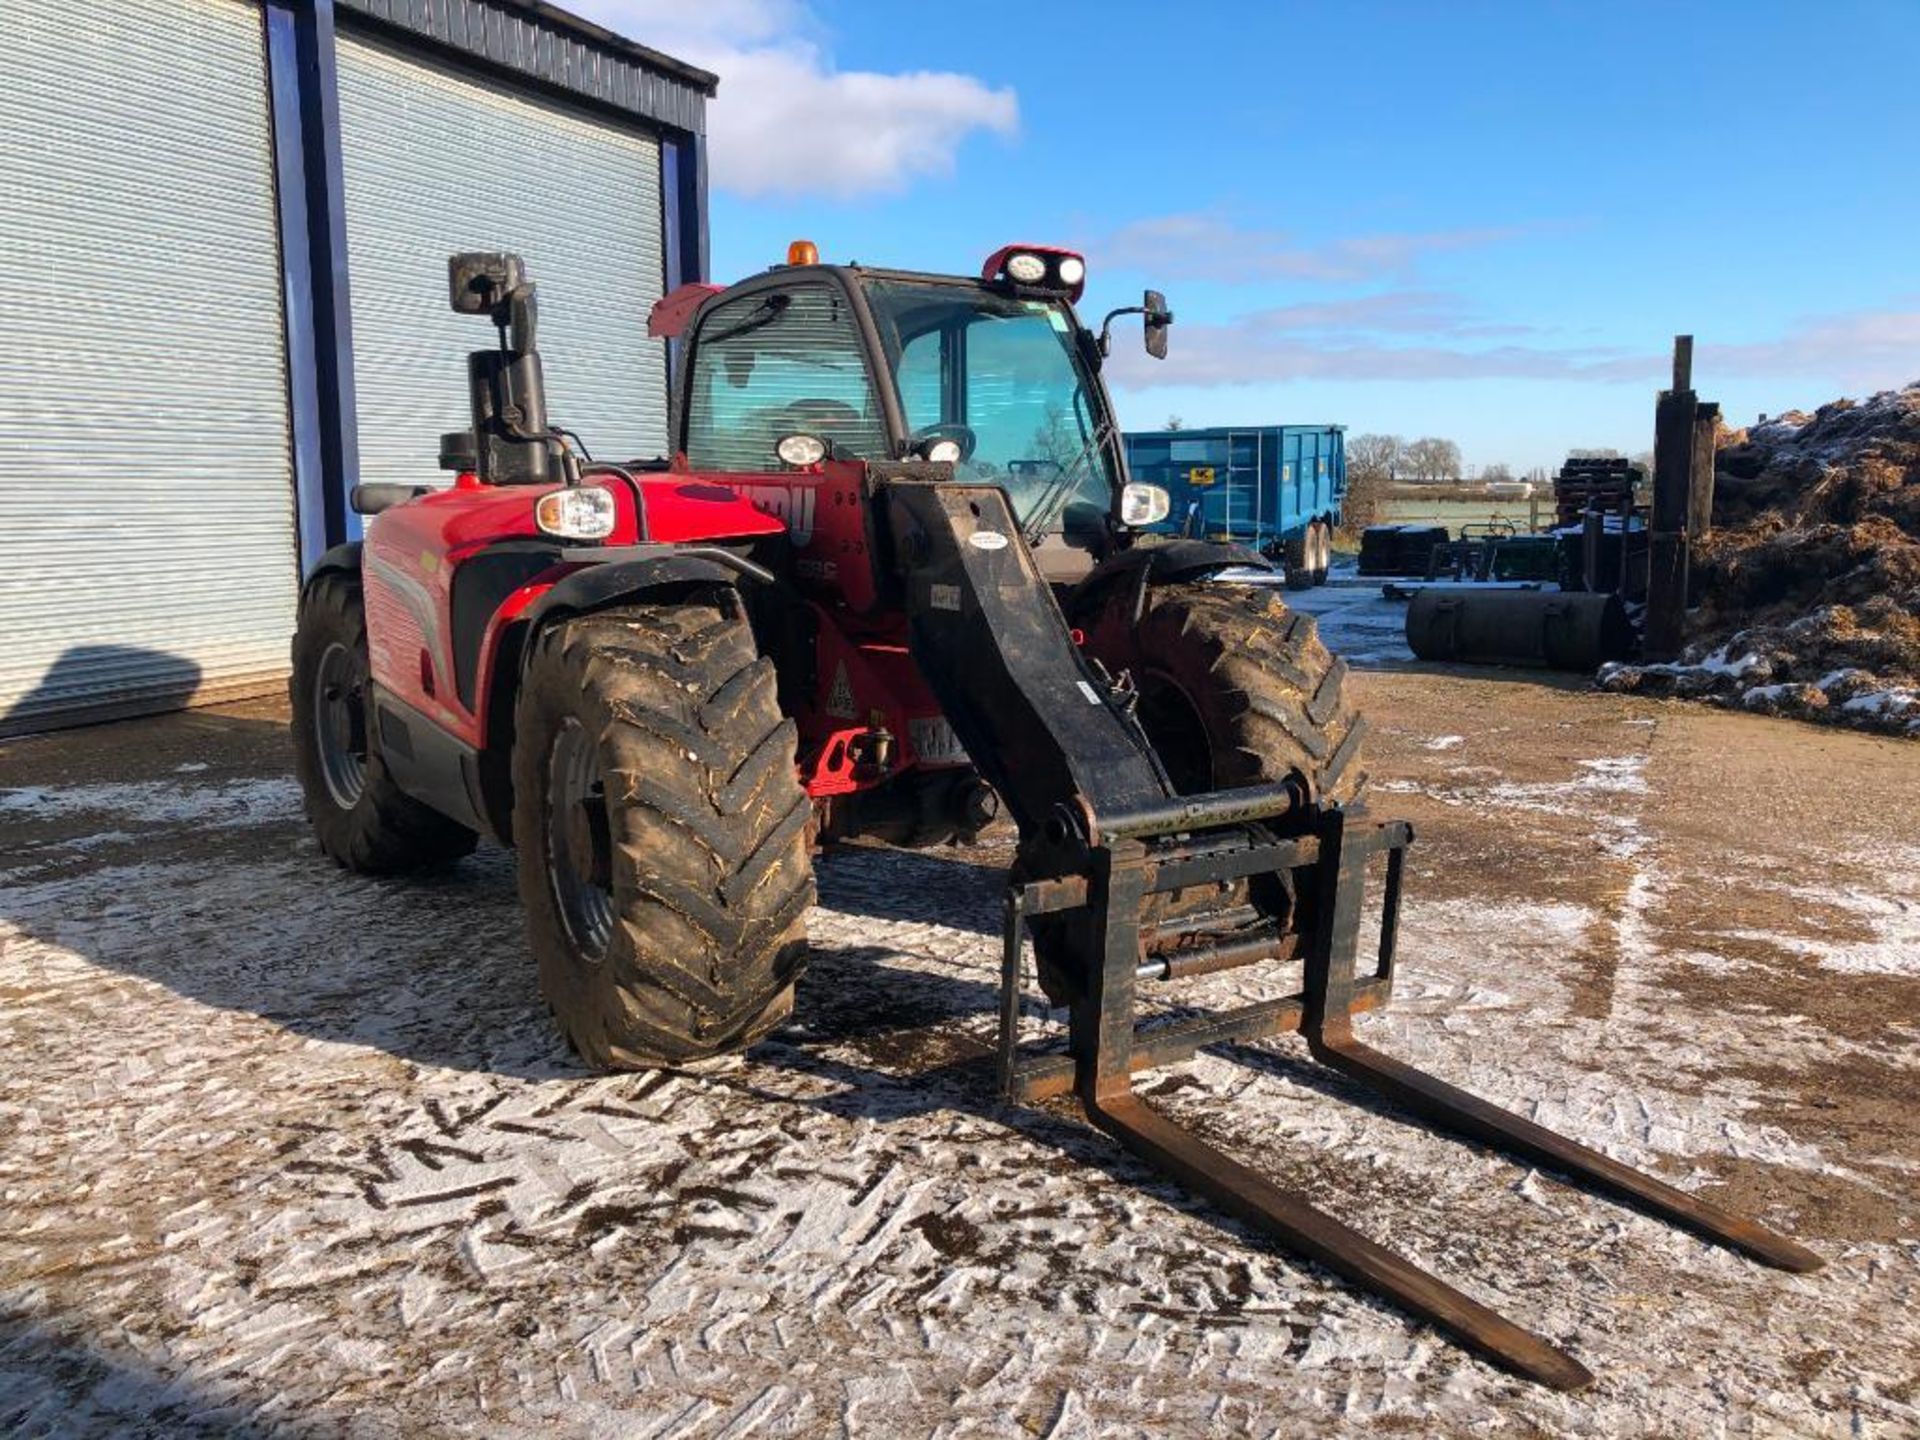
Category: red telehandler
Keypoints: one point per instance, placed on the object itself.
(890, 581)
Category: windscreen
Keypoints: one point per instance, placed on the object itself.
(1001, 375)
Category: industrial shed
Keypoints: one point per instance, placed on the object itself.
(227, 224)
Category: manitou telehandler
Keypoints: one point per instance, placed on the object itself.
(889, 581)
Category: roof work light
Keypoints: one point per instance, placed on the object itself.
(1037, 270)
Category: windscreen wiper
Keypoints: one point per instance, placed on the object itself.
(1056, 493)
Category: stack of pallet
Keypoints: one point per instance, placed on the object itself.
(1605, 484)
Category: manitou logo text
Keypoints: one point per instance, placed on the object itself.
(792, 503)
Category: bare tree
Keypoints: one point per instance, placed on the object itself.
(1055, 440)
(1431, 458)
(1372, 461)
(1174, 422)
(1376, 457)
(1496, 474)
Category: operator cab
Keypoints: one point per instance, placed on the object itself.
(994, 375)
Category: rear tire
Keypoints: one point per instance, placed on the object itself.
(359, 816)
(1322, 551)
(662, 833)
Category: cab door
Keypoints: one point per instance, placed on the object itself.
(784, 360)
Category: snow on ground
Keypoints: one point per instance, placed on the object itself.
(284, 1149)
(1357, 621)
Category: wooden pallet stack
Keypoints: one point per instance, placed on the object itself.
(1608, 484)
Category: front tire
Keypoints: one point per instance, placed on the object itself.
(359, 815)
(1235, 689)
(661, 831)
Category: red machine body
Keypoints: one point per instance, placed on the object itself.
(413, 553)
(869, 718)
(457, 580)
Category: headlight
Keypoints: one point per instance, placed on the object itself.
(1144, 505)
(1026, 269)
(944, 452)
(801, 451)
(1072, 270)
(581, 513)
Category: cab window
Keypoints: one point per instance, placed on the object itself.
(1004, 373)
(778, 363)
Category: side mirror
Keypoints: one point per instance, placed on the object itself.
(1157, 318)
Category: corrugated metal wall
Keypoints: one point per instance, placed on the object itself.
(435, 162)
(146, 501)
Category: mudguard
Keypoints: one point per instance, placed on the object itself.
(1142, 566)
(631, 571)
(341, 558)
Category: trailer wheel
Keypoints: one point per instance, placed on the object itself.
(1296, 553)
(661, 830)
(1322, 533)
(359, 816)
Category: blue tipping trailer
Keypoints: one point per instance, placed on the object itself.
(1275, 488)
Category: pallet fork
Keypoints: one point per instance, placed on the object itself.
(1103, 834)
(1107, 1050)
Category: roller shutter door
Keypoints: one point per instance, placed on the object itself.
(147, 550)
(436, 162)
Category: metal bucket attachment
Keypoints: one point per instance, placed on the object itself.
(1557, 631)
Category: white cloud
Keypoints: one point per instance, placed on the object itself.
(1254, 351)
(1861, 350)
(787, 122)
(1209, 247)
(1416, 335)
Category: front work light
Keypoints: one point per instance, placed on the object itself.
(1072, 271)
(1144, 505)
(579, 513)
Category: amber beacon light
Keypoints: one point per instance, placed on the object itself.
(803, 252)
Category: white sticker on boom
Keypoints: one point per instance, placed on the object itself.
(944, 597)
(1093, 695)
(987, 540)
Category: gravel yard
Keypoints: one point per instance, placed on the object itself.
(283, 1150)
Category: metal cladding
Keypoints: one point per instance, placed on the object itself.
(542, 42)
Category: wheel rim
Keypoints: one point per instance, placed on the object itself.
(1172, 722)
(340, 724)
(579, 848)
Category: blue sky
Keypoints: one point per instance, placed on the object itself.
(1484, 221)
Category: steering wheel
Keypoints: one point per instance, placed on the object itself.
(961, 435)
